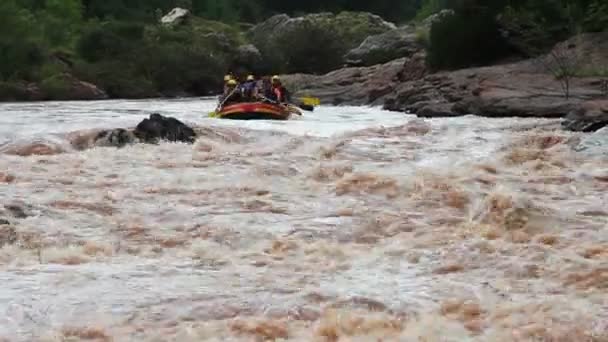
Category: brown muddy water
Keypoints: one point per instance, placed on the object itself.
(348, 224)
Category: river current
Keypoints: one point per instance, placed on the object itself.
(345, 224)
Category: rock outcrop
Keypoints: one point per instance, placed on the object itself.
(247, 59)
(354, 27)
(511, 90)
(358, 85)
(384, 47)
(589, 117)
(433, 18)
(520, 89)
(316, 42)
(175, 17)
(67, 87)
(61, 87)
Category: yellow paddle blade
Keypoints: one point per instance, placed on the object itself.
(213, 114)
(310, 101)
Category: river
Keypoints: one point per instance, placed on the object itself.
(345, 224)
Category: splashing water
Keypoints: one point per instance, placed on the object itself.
(349, 223)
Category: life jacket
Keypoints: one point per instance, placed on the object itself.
(268, 92)
(281, 93)
(247, 88)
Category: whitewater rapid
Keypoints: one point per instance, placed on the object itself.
(345, 224)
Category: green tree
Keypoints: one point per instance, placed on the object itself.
(469, 37)
(20, 50)
(61, 20)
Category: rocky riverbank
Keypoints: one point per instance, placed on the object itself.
(518, 89)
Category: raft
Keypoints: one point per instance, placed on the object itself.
(256, 111)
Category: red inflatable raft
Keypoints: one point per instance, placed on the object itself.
(256, 111)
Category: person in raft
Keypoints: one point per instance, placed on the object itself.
(249, 89)
(231, 94)
(281, 94)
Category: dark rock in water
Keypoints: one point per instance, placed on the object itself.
(159, 127)
(16, 211)
(436, 110)
(115, 138)
(4, 222)
(8, 235)
(589, 117)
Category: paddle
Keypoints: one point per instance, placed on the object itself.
(277, 103)
(310, 101)
(221, 104)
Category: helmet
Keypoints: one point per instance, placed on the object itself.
(227, 78)
(276, 78)
(250, 78)
(232, 82)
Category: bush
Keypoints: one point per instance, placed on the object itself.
(12, 92)
(118, 78)
(56, 88)
(597, 16)
(465, 39)
(20, 60)
(109, 41)
(422, 36)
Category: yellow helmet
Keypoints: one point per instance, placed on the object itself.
(227, 78)
(231, 82)
(276, 78)
(250, 78)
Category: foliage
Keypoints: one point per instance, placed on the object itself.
(56, 87)
(10, 91)
(109, 40)
(464, 39)
(532, 27)
(422, 36)
(563, 62)
(596, 18)
(19, 42)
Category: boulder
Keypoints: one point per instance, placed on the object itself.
(358, 85)
(354, 27)
(59, 87)
(248, 59)
(175, 17)
(159, 127)
(384, 47)
(352, 86)
(433, 18)
(67, 87)
(276, 37)
(589, 117)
